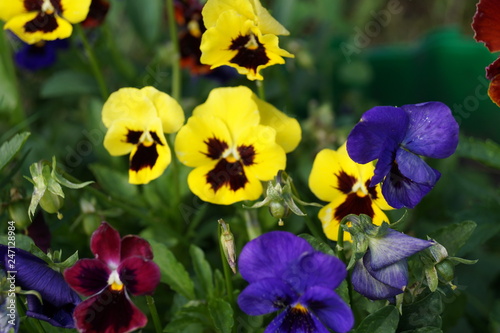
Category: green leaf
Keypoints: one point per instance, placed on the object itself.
(221, 314)
(115, 182)
(384, 320)
(64, 182)
(193, 313)
(173, 272)
(486, 152)
(317, 244)
(68, 82)
(70, 261)
(22, 241)
(146, 17)
(36, 171)
(454, 236)
(428, 329)
(422, 313)
(203, 271)
(10, 148)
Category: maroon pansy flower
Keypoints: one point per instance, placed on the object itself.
(97, 13)
(121, 267)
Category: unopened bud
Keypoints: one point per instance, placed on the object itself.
(51, 203)
(445, 270)
(227, 242)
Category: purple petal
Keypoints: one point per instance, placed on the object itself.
(400, 191)
(88, 276)
(135, 246)
(270, 254)
(34, 57)
(395, 275)
(109, 312)
(32, 273)
(266, 296)
(380, 129)
(56, 316)
(294, 320)
(393, 247)
(314, 269)
(432, 131)
(365, 284)
(105, 245)
(329, 307)
(414, 168)
(384, 165)
(140, 276)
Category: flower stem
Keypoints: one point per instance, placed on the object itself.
(260, 89)
(154, 313)
(340, 245)
(227, 270)
(176, 67)
(93, 63)
(252, 224)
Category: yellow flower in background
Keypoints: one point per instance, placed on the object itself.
(345, 184)
(137, 120)
(36, 20)
(241, 34)
(231, 148)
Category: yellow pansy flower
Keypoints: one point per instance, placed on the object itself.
(345, 184)
(36, 20)
(230, 147)
(137, 120)
(241, 34)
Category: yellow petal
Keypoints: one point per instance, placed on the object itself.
(267, 23)
(148, 163)
(235, 106)
(11, 8)
(198, 184)
(323, 179)
(169, 111)
(75, 11)
(214, 8)
(127, 103)
(192, 142)
(17, 26)
(330, 224)
(269, 157)
(288, 131)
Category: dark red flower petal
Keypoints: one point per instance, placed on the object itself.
(139, 276)
(88, 276)
(493, 74)
(108, 312)
(486, 24)
(135, 246)
(105, 244)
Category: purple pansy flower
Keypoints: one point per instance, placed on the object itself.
(40, 55)
(382, 272)
(396, 136)
(121, 267)
(32, 273)
(286, 273)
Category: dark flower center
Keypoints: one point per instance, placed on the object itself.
(354, 204)
(298, 319)
(251, 53)
(45, 21)
(146, 154)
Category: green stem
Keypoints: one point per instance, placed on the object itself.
(252, 224)
(227, 270)
(154, 313)
(176, 66)
(93, 63)
(260, 89)
(340, 245)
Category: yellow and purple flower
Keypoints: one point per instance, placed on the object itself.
(486, 25)
(382, 272)
(36, 20)
(336, 178)
(397, 137)
(32, 273)
(241, 34)
(286, 273)
(122, 266)
(137, 120)
(234, 141)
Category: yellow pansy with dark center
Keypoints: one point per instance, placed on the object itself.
(233, 142)
(243, 35)
(345, 184)
(36, 20)
(137, 120)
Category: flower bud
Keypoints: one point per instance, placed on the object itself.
(445, 270)
(18, 212)
(90, 223)
(227, 242)
(51, 203)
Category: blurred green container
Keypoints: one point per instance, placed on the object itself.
(444, 66)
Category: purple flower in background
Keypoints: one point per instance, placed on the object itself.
(286, 273)
(382, 272)
(40, 55)
(32, 273)
(396, 137)
(122, 266)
